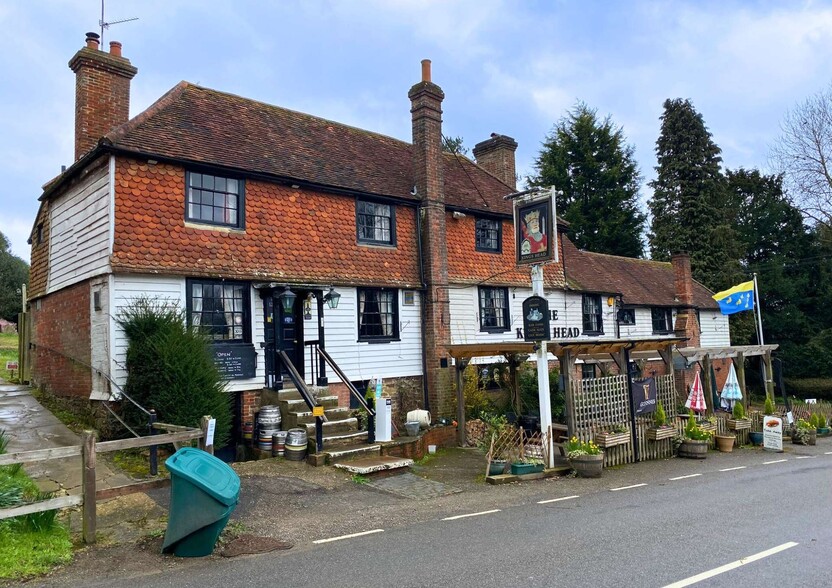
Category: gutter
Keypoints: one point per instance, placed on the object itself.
(422, 303)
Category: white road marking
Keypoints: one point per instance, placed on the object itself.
(473, 514)
(350, 536)
(828, 453)
(557, 499)
(732, 469)
(775, 461)
(685, 477)
(627, 487)
(731, 566)
(806, 457)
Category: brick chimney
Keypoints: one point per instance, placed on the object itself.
(687, 322)
(497, 156)
(428, 161)
(102, 92)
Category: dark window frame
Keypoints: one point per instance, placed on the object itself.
(373, 338)
(587, 318)
(588, 371)
(241, 198)
(391, 219)
(627, 312)
(497, 238)
(666, 317)
(482, 297)
(245, 312)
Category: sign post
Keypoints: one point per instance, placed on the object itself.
(535, 237)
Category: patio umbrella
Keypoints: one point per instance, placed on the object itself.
(731, 390)
(696, 398)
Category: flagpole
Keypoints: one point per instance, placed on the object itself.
(758, 315)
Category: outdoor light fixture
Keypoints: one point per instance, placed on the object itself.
(287, 299)
(332, 298)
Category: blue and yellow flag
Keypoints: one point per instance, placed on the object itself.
(736, 299)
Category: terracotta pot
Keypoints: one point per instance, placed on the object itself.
(588, 466)
(725, 443)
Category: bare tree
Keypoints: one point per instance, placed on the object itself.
(803, 154)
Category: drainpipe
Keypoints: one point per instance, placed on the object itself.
(425, 396)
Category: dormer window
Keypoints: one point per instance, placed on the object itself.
(214, 200)
(488, 235)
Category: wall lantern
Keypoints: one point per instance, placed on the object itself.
(287, 299)
(332, 298)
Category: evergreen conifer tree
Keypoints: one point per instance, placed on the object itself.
(589, 161)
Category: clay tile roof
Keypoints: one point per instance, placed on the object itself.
(199, 125)
(640, 281)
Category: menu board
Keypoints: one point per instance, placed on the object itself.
(235, 362)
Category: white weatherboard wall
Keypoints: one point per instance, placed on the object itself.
(128, 288)
(714, 329)
(644, 325)
(362, 360)
(79, 238)
(100, 338)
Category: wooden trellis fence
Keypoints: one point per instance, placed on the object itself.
(517, 445)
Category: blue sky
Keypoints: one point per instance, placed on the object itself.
(506, 66)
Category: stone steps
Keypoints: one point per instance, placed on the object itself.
(349, 452)
(367, 466)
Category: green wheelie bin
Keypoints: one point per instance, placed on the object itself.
(204, 492)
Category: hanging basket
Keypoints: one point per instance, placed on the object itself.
(612, 439)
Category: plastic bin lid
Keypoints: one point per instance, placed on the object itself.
(212, 475)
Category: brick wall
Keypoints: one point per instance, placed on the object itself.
(102, 92)
(61, 336)
(497, 156)
(38, 272)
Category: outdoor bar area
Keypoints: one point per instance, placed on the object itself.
(606, 409)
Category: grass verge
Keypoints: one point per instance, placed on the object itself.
(8, 352)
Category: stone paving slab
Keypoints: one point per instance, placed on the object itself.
(369, 465)
(412, 486)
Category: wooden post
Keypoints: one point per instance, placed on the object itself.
(88, 486)
(203, 424)
(515, 384)
(769, 376)
(566, 363)
(739, 364)
(461, 434)
(706, 381)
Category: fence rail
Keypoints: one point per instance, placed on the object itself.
(88, 450)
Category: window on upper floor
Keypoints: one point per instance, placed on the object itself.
(488, 235)
(219, 309)
(214, 200)
(375, 223)
(627, 316)
(378, 314)
(493, 309)
(592, 319)
(662, 320)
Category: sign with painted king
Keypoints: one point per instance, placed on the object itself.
(535, 230)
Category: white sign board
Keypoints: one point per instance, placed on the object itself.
(209, 434)
(772, 433)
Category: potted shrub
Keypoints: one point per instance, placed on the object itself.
(660, 429)
(804, 433)
(820, 424)
(585, 457)
(739, 422)
(616, 435)
(694, 444)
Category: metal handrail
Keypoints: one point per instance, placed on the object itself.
(371, 413)
(306, 395)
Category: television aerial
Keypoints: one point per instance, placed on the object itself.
(106, 25)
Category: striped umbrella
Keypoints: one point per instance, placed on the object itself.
(696, 398)
(731, 390)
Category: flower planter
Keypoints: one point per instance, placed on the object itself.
(693, 449)
(659, 434)
(823, 432)
(811, 438)
(588, 466)
(520, 468)
(497, 467)
(611, 439)
(739, 424)
(755, 438)
(711, 427)
(725, 443)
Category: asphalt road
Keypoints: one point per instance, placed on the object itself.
(657, 534)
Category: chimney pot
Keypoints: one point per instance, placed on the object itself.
(92, 40)
(426, 70)
(115, 48)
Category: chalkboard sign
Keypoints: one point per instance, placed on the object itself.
(235, 362)
(536, 319)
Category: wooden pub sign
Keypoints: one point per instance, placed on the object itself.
(536, 319)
